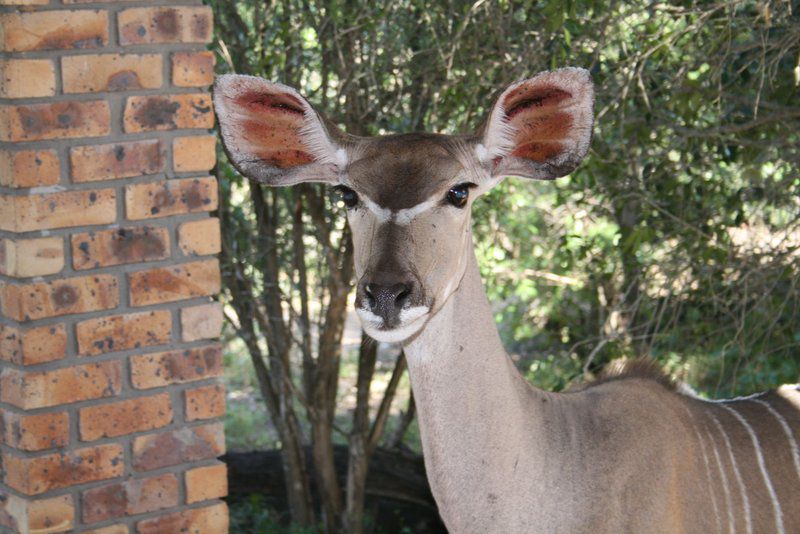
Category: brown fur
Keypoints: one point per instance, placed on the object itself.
(644, 368)
(620, 455)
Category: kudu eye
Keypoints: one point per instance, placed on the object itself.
(347, 195)
(458, 195)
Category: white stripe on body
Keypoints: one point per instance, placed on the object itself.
(776, 507)
(724, 478)
(747, 519)
(788, 431)
(708, 477)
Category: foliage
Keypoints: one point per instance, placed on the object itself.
(253, 515)
(679, 237)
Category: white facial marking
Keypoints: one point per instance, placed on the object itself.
(383, 214)
(747, 519)
(776, 507)
(368, 317)
(405, 216)
(396, 335)
(413, 313)
(786, 430)
(409, 319)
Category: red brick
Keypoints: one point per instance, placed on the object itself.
(125, 417)
(26, 213)
(56, 514)
(29, 168)
(53, 30)
(177, 282)
(200, 238)
(23, 2)
(193, 69)
(209, 520)
(135, 244)
(137, 496)
(28, 390)
(10, 344)
(118, 528)
(176, 366)
(35, 432)
(165, 25)
(118, 160)
(206, 483)
(57, 120)
(187, 444)
(27, 78)
(171, 197)
(201, 322)
(111, 72)
(194, 154)
(33, 476)
(33, 345)
(24, 258)
(123, 332)
(168, 112)
(205, 402)
(29, 302)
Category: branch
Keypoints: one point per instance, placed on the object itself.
(383, 411)
(396, 439)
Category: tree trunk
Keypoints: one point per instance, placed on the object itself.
(298, 489)
(358, 457)
(397, 492)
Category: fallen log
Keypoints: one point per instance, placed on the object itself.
(398, 497)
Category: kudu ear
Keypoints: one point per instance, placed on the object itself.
(273, 135)
(540, 127)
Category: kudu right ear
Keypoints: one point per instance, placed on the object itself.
(540, 127)
(273, 135)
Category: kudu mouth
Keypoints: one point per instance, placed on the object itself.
(391, 307)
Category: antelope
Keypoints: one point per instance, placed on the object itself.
(630, 452)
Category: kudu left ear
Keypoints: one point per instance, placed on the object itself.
(540, 127)
(273, 135)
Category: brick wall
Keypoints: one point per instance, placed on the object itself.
(110, 401)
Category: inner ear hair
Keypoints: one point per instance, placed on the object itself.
(273, 135)
(540, 127)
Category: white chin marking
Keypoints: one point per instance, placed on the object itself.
(410, 324)
(369, 318)
(413, 313)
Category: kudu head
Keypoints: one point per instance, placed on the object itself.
(408, 197)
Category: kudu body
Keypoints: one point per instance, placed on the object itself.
(626, 454)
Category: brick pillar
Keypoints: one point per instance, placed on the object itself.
(110, 401)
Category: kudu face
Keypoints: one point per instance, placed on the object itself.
(408, 197)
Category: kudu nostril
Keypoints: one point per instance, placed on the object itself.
(402, 297)
(369, 291)
(387, 300)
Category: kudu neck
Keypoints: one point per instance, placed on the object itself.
(460, 347)
(462, 327)
(473, 405)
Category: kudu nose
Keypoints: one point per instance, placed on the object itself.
(387, 300)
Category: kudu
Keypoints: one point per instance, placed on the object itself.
(629, 453)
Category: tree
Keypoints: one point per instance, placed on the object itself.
(678, 238)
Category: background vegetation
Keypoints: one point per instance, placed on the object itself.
(678, 238)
